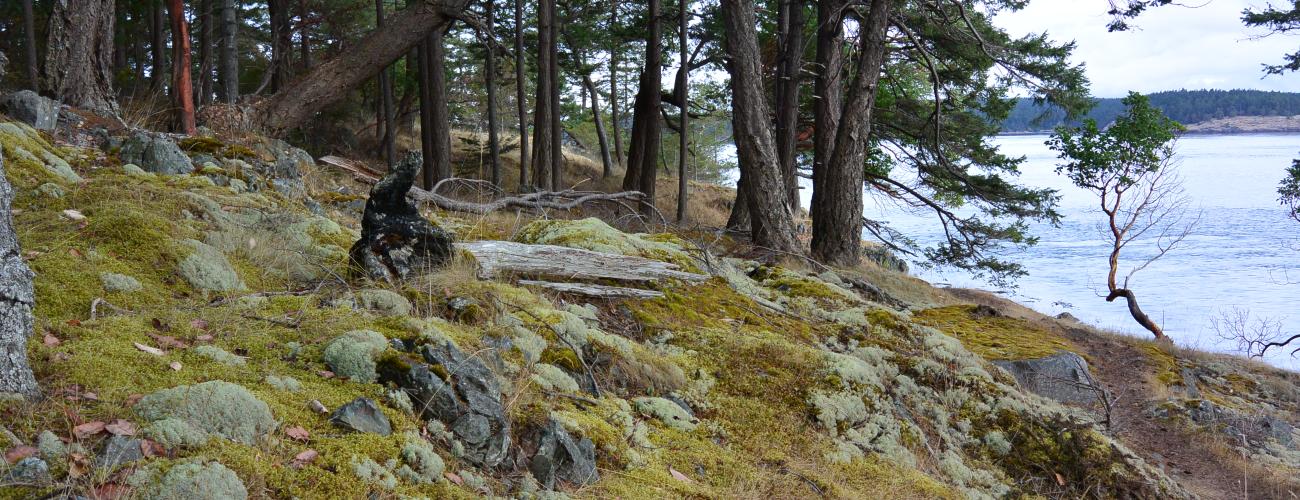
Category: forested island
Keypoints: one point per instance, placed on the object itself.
(1209, 111)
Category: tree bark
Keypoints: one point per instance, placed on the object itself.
(78, 66)
(557, 152)
(158, 76)
(828, 99)
(386, 97)
(426, 114)
(1136, 311)
(331, 80)
(542, 123)
(490, 77)
(29, 32)
(228, 64)
(616, 127)
(771, 224)
(683, 128)
(788, 76)
(441, 116)
(204, 96)
(16, 299)
(521, 94)
(607, 161)
(643, 155)
(839, 214)
(304, 33)
(182, 88)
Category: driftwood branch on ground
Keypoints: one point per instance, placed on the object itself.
(498, 257)
(601, 291)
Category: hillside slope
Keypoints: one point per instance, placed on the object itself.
(197, 330)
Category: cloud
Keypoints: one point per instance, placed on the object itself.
(1173, 47)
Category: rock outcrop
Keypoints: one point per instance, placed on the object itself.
(16, 301)
(1063, 376)
(42, 113)
(155, 153)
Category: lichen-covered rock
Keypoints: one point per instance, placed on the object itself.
(51, 189)
(119, 450)
(16, 301)
(362, 415)
(40, 112)
(560, 456)
(395, 240)
(114, 282)
(385, 302)
(192, 480)
(423, 465)
(135, 171)
(1063, 376)
(595, 235)
(50, 446)
(219, 355)
(283, 243)
(668, 412)
(461, 392)
(284, 383)
(25, 147)
(552, 378)
(30, 471)
(155, 153)
(216, 407)
(175, 433)
(353, 354)
(207, 269)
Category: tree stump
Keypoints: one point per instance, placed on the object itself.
(395, 240)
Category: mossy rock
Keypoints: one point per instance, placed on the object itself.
(207, 269)
(595, 235)
(353, 354)
(995, 338)
(216, 407)
(191, 480)
(667, 412)
(26, 153)
(114, 282)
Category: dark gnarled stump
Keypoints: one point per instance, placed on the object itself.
(395, 240)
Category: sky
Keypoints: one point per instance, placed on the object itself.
(1172, 47)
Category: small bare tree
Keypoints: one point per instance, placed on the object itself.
(1254, 336)
(1130, 167)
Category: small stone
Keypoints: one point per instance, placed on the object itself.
(560, 456)
(362, 415)
(666, 411)
(28, 471)
(317, 406)
(118, 451)
(134, 170)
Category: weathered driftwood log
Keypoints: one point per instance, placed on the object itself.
(504, 257)
(16, 300)
(395, 239)
(601, 291)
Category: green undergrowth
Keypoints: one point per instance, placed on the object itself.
(994, 337)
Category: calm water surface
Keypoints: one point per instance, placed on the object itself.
(1245, 252)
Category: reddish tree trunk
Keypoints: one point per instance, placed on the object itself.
(181, 86)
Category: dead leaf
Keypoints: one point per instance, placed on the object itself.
(19, 452)
(204, 338)
(679, 476)
(74, 252)
(325, 373)
(88, 429)
(152, 448)
(303, 458)
(132, 399)
(121, 427)
(73, 214)
(297, 433)
(168, 341)
(159, 325)
(199, 324)
(1059, 479)
(453, 477)
(112, 491)
(50, 340)
(151, 350)
(78, 465)
(175, 365)
(74, 322)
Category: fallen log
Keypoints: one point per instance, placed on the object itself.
(502, 257)
(601, 291)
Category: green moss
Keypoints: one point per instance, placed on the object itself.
(1164, 366)
(192, 479)
(31, 160)
(994, 338)
(212, 146)
(219, 355)
(594, 234)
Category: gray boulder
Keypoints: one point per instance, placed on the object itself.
(16, 300)
(463, 394)
(560, 456)
(118, 451)
(362, 415)
(155, 153)
(41, 113)
(1063, 376)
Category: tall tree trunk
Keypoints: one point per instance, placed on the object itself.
(490, 76)
(616, 127)
(120, 64)
(441, 125)
(643, 157)
(281, 45)
(304, 33)
(788, 76)
(426, 114)
(78, 64)
(684, 129)
(16, 297)
(332, 80)
(607, 162)
(159, 46)
(138, 55)
(828, 98)
(546, 50)
(228, 64)
(205, 52)
(771, 224)
(837, 238)
(29, 32)
(388, 138)
(182, 89)
(521, 94)
(557, 130)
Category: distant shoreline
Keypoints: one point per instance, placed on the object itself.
(1237, 125)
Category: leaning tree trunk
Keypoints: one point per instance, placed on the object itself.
(228, 57)
(546, 50)
(643, 156)
(771, 223)
(606, 161)
(182, 88)
(1136, 311)
(788, 76)
(331, 80)
(839, 214)
(79, 58)
(16, 300)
